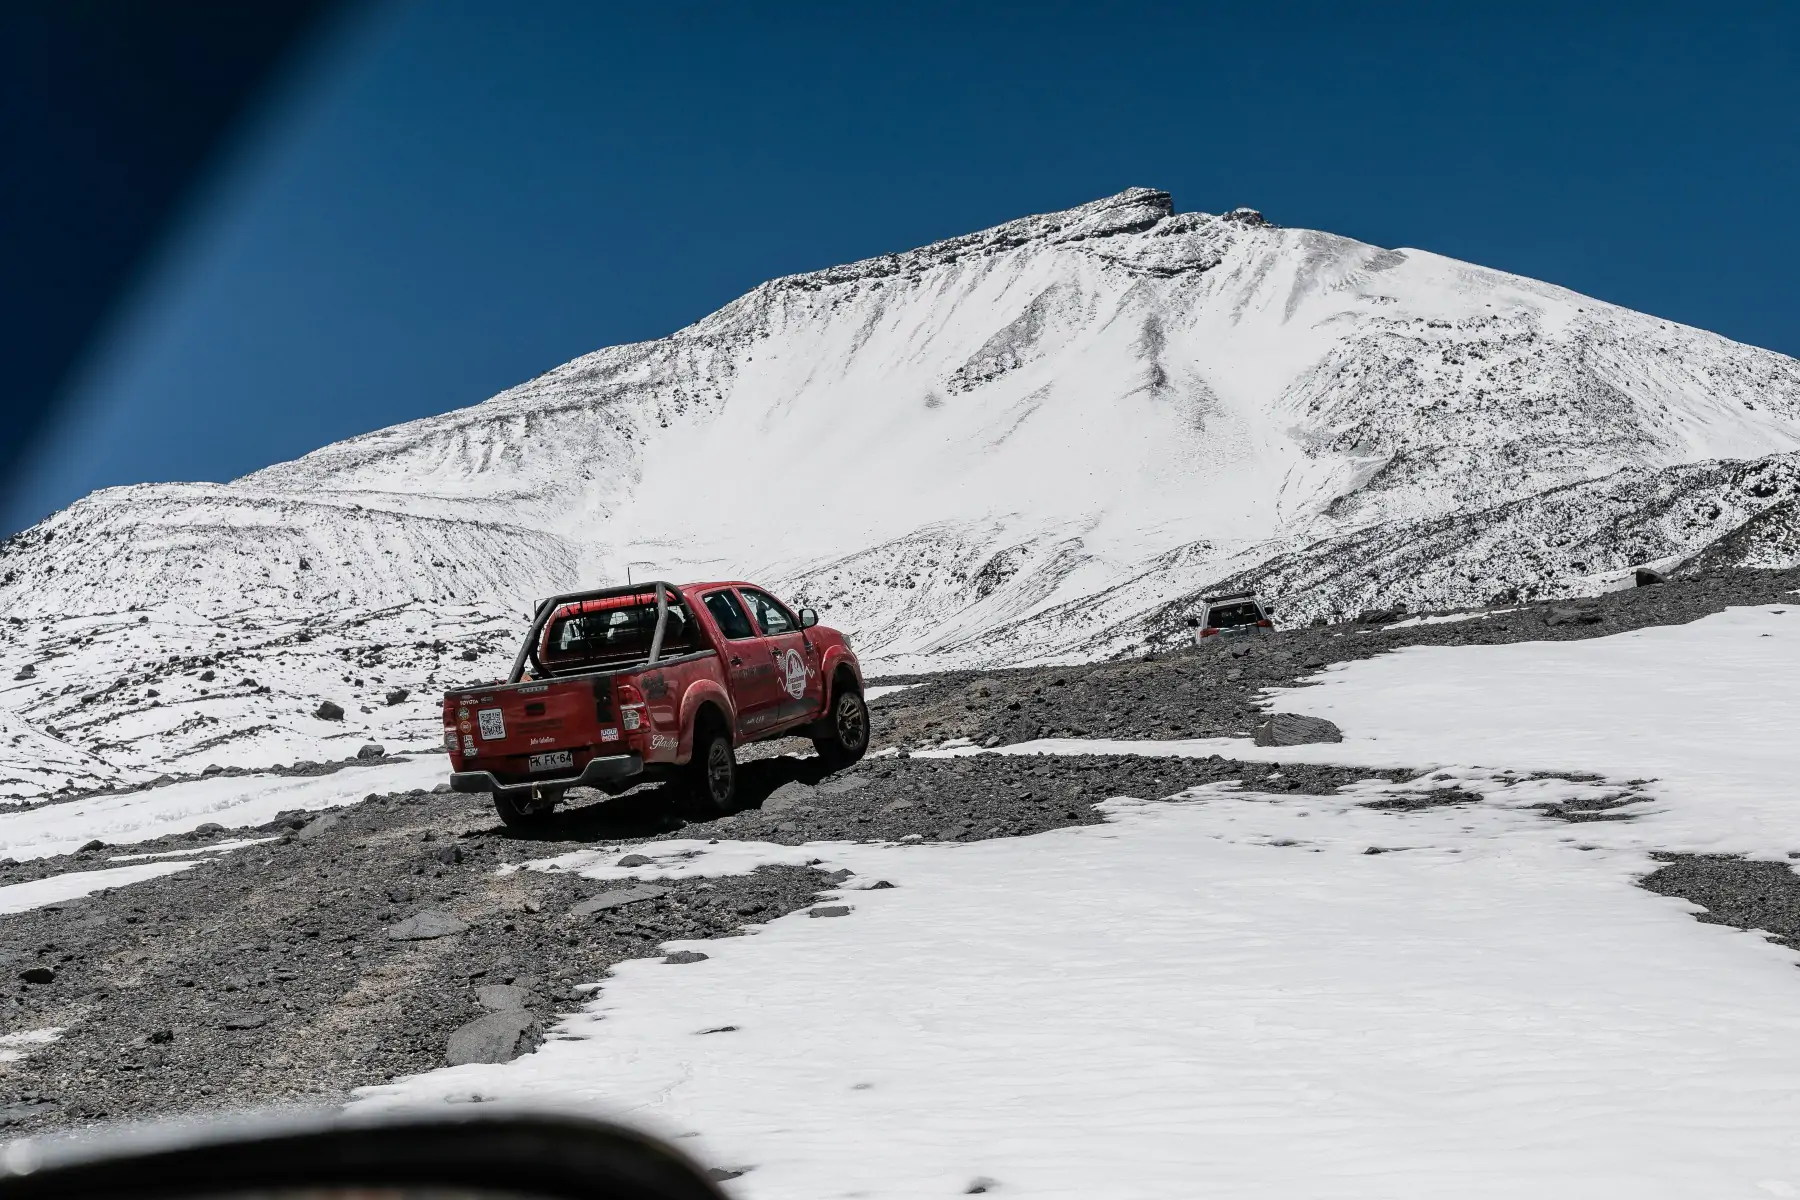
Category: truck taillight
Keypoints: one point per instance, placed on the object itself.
(1265, 623)
(1209, 631)
(631, 706)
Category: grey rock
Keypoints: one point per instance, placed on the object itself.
(829, 910)
(838, 785)
(685, 956)
(449, 855)
(950, 833)
(502, 997)
(1573, 616)
(424, 926)
(28, 671)
(319, 826)
(396, 696)
(209, 829)
(38, 974)
(96, 844)
(401, 893)
(329, 711)
(490, 1039)
(1647, 577)
(372, 750)
(469, 656)
(245, 1020)
(634, 860)
(440, 789)
(617, 898)
(1292, 729)
(790, 796)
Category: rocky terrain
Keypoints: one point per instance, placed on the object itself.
(393, 935)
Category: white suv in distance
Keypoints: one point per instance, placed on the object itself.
(1228, 618)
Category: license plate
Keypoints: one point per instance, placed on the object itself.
(551, 761)
(493, 724)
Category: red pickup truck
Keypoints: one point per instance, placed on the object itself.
(653, 681)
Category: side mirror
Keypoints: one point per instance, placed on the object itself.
(808, 618)
(1193, 622)
(1268, 610)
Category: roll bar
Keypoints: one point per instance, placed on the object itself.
(548, 605)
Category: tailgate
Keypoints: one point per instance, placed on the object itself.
(544, 728)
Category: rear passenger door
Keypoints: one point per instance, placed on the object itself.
(794, 655)
(748, 671)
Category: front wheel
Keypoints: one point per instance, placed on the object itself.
(845, 737)
(522, 811)
(711, 773)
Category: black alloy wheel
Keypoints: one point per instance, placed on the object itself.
(846, 739)
(712, 772)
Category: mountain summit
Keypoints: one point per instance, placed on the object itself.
(1035, 441)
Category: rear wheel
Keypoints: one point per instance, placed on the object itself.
(710, 777)
(520, 810)
(845, 736)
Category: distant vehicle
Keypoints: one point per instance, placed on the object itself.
(1227, 618)
(653, 681)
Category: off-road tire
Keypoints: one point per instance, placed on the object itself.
(709, 780)
(515, 817)
(843, 736)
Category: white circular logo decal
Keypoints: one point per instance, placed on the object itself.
(793, 669)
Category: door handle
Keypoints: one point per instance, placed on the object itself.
(736, 661)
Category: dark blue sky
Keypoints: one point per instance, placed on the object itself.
(454, 196)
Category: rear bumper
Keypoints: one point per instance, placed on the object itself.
(610, 768)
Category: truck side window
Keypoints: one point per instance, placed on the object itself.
(726, 610)
(769, 613)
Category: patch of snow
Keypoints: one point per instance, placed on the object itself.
(886, 689)
(72, 885)
(14, 1046)
(1223, 992)
(178, 807)
(215, 848)
(1448, 618)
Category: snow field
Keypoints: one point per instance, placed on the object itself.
(178, 807)
(126, 700)
(1223, 993)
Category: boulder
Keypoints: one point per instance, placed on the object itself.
(790, 796)
(396, 696)
(502, 997)
(317, 826)
(427, 925)
(372, 750)
(617, 898)
(329, 711)
(490, 1039)
(1292, 729)
(1648, 577)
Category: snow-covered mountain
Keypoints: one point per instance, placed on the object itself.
(1037, 441)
